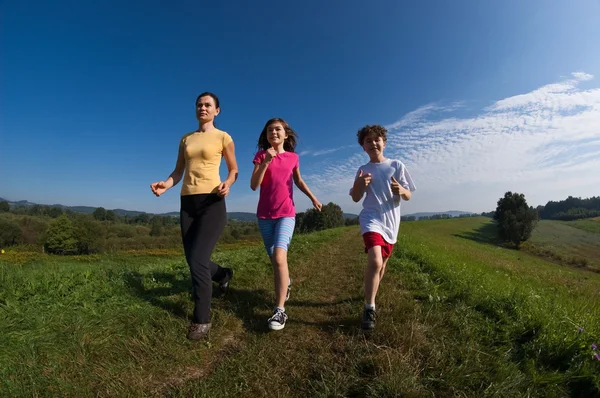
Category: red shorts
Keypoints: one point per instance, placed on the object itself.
(375, 239)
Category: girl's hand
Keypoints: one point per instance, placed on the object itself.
(223, 189)
(269, 155)
(317, 205)
(158, 188)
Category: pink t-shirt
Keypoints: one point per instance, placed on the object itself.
(277, 187)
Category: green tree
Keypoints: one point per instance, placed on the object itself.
(4, 207)
(10, 233)
(55, 212)
(90, 234)
(330, 216)
(110, 215)
(61, 236)
(157, 229)
(516, 220)
(99, 214)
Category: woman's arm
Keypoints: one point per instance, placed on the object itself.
(158, 188)
(229, 154)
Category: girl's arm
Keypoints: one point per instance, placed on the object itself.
(158, 188)
(304, 188)
(258, 174)
(229, 155)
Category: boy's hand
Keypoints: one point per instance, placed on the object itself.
(270, 154)
(363, 179)
(396, 187)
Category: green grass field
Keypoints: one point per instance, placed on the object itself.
(458, 315)
(574, 243)
(590, 224)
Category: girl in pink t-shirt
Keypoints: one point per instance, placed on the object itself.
(276, 165)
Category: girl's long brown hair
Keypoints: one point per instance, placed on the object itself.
(290, 142)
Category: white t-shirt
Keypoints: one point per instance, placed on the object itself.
(381, 208)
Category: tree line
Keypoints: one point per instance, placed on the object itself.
(570, 209)
(67, 232)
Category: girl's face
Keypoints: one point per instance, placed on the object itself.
(276, 134)
(373, 144)
(206, 109)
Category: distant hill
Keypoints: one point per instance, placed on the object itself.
(453, 213)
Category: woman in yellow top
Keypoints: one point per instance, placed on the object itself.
(203, 212)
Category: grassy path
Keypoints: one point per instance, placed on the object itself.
(321, 351)
(457, 316)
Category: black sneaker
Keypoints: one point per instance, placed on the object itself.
(224, 284)
(277, 321)
(368, 319)
(287, 295)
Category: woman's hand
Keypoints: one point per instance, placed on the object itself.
(158, 188)
(223, 189)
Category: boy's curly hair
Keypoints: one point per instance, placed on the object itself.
(378, 130)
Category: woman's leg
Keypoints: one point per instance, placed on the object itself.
(202, 222)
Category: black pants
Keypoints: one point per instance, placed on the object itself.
(203, 218)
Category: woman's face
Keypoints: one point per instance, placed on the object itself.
(206, 109)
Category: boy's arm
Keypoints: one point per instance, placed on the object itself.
(405, 184)
(360, 185)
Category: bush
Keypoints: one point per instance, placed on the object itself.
(61, 237)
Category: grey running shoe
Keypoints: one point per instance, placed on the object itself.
(368, 319)
(224, 284)
(198, 331)
(277, 321)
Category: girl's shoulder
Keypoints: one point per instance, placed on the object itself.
(259, 156)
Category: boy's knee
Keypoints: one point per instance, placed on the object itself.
(376, 263)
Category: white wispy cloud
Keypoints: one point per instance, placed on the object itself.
(544, 143)
(321, 152)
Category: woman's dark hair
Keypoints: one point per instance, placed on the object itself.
(290, 142)
(214, 97)
(207, 94)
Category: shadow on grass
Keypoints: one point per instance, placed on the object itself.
(244, 303)
(252, 307)
(487, 233)
(159, 296)
(347, 325)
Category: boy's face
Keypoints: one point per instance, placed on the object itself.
(373, 145)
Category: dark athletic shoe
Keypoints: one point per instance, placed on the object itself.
(224, 285)
(368, 319)
(277, 321)
(198, 331)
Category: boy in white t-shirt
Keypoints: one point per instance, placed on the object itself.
(386, 182)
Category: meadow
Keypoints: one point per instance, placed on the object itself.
(458, 315)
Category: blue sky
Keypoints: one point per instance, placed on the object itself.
(479, 97)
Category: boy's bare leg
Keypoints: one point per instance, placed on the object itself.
(373, 273)
(382, 272)
(281, 275)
